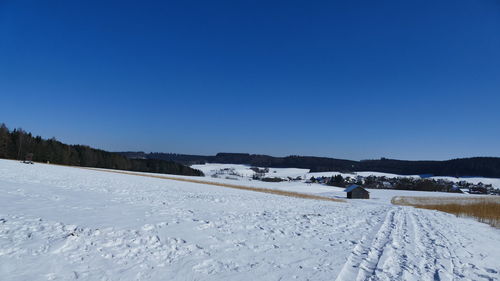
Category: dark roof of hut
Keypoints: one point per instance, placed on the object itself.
(351, 188)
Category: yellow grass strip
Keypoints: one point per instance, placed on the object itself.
(249, 188)
(485, 209)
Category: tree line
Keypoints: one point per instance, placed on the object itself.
(476, 166)
(17, 144)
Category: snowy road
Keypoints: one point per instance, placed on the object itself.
(62, 223)
(409, 244)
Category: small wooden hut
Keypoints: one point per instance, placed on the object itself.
(357, 192)
(29, 158)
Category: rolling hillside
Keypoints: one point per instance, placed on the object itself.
(466, 167)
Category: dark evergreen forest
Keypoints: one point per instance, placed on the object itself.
(17, 144)
(477, 166)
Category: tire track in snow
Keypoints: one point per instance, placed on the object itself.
(403, 247)
(389, 259)
(364, 258)
(378, 252)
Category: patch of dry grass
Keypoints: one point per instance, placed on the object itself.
(249, 188)
(485, 209)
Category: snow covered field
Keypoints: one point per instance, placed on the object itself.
(64, 223)
(244, 170)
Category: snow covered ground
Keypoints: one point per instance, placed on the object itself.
(64, 223)
(210, 169)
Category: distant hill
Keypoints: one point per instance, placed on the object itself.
(16, 144)
(477, 166)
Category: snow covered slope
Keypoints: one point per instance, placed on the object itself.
(63, 223)
(210, 169)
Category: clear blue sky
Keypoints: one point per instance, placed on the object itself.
(346, 79)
